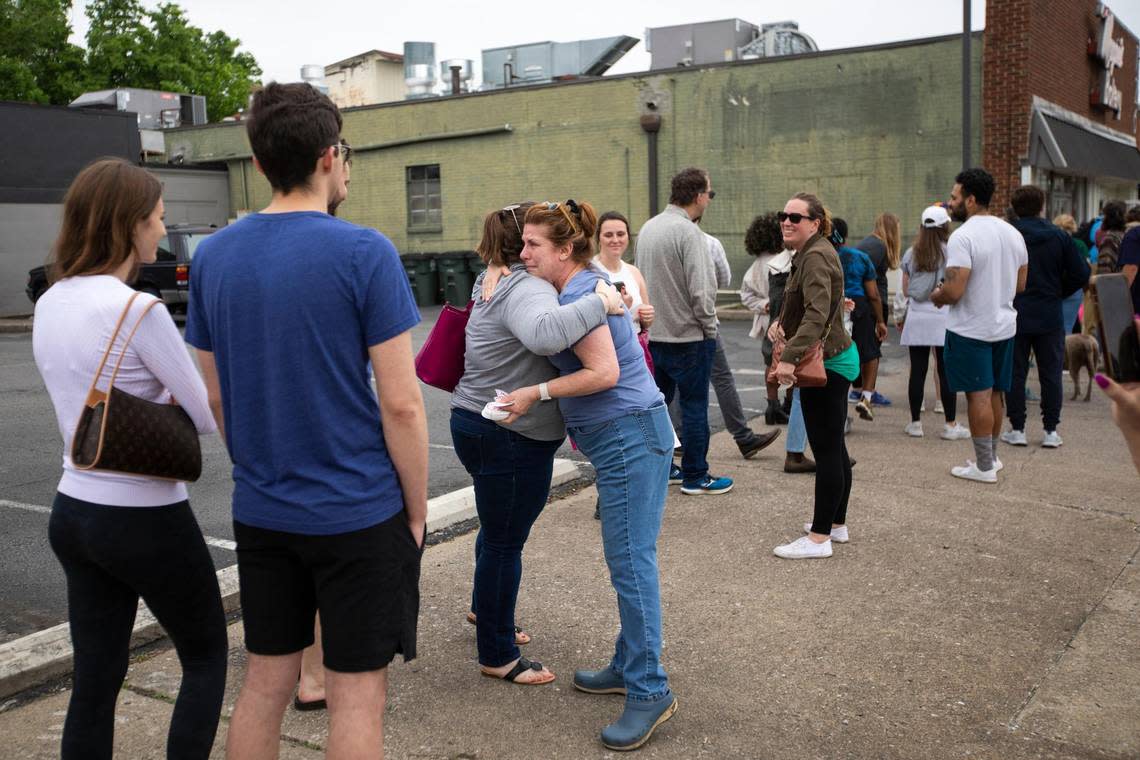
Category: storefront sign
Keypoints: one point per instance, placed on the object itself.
(1109, 52)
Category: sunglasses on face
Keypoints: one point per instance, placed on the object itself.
(793, 218)
(712, 194)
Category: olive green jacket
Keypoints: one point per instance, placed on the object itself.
(813, 302)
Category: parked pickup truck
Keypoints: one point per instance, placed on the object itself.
(168, 277)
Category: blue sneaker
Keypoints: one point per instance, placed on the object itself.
(604, 681)
(637, 723)
(878, 399)
(708, 485)
(675, 475)
(853, 397)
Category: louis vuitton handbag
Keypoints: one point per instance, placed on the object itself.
(124, 433)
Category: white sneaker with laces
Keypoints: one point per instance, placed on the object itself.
(1014, 437)
(955, 432)
(804, 548)
(938, 408)
(838, 535)
(971, 472)
(1052, 440)
(914, 429)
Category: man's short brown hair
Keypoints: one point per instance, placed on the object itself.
(1027, 201)
(687, 184)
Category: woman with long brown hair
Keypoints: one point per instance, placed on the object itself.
(120, 537)
(813, 312)
(923, 266)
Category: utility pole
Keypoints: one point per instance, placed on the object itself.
(966, 67)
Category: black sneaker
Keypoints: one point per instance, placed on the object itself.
(675, 475)
(757, 443)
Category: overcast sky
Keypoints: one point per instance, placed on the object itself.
(284, 34)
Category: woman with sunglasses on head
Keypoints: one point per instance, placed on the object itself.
(617, 417)
(813, 312)
(120, 537)
(508, 337)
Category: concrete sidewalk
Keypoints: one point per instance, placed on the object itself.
(961, 620)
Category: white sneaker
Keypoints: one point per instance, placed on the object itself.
(1052, 440)
(838, 535)
(971, 472)
(955, 432)
(938, 408)
(1014, 437)
(804, 548)
(914, 429)
(998, 466)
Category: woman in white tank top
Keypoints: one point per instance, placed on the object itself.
(613, 240)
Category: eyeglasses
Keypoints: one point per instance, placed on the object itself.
(712, 194)
(512, 209)
(346, 151)
(793, 218)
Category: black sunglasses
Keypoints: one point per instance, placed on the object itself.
(793, 218)
(712, 194)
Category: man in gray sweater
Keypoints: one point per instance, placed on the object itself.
(673, 257)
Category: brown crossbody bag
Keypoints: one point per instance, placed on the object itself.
(124, 433)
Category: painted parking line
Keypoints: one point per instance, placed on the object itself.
(220, 543)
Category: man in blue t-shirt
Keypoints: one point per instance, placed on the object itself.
(288, 308)
(868, 329)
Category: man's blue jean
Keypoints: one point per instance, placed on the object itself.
(631, 455)
(685, 369)
(796, 441)
(512, 480)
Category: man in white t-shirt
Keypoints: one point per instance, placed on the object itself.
(986, 266)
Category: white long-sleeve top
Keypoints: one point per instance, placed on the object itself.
(73, 323)
(754, 294)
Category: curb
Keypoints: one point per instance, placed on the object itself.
(13, 326)
(41, 656)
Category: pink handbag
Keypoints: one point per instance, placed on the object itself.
(440, 360)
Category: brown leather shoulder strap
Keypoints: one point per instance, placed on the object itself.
(123, 353)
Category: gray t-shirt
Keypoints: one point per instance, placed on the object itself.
(508, 340)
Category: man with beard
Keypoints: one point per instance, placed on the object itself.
(986, 266)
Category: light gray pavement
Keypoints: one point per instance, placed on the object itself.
(962, 620)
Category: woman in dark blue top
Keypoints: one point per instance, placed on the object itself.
(617, 416)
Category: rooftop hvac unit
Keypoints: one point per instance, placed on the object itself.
(419, 69)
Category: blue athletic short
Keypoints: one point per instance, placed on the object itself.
(978, 365)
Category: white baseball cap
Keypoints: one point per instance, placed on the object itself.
(934, 216)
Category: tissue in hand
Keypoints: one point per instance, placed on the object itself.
(496, 410)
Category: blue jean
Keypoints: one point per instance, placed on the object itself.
(685, 369)
(796, 441)
(1070, 307)
(631, 455)
(512, 480)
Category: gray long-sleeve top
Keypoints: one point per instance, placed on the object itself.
(508, 340)
(673, 256)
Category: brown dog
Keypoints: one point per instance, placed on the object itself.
(1081, 352)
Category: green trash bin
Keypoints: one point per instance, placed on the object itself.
(475, 264)
(422, 276)
(455, 277)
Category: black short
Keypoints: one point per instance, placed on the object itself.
(365, 584)
(863, 330)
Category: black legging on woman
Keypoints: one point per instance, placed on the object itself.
(825, 411)
(112, 556)
(919, 363)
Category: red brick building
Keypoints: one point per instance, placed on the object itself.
(1059, 96)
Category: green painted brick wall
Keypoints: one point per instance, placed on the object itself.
(868, 130)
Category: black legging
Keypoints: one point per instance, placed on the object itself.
(919, 363)
(825, 412)
(112, 556)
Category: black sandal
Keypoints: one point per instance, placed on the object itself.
(522, 666)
